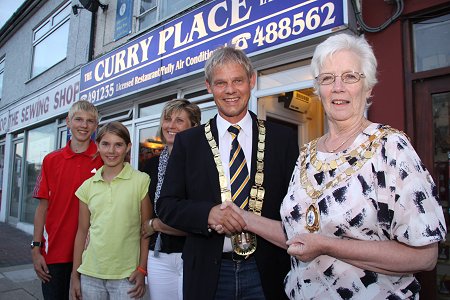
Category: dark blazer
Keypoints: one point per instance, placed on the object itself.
(191, 189)
(169, 243)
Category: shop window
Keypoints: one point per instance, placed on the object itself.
(51, 37)
(2, 165)
(62, 137)
(2, 70)
(197, 94)
(289, 74)
(431, 43)
(154, 107)
(121, 116)
(208, 112)
(152, 12)
(62, 133)
(16, 178)
(150, 143)
(40, 142)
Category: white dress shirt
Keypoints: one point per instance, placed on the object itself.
(225, 139)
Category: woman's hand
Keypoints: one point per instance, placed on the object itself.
(306, 246)
(148, 228)
(386, 257)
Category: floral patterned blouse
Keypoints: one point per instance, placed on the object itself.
(391, 196)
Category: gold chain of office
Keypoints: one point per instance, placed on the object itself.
(257, 191)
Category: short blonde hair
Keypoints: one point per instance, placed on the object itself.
(224, 55)
(83, 105)
(177, 105)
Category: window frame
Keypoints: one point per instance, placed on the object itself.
(160, 16)
(2, 75)
(423, 26)
(48, 27)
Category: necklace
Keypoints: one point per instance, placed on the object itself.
(360, 156)
(243, 243)
(344, 142)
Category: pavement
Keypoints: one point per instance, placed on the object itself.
(18, 281)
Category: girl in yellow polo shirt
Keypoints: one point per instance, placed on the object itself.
(113, 205)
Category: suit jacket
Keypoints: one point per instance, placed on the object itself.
(191, 189)
(169, 243)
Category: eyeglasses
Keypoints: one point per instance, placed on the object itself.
(346, 77)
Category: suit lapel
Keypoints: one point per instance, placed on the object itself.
(255, 134)
(213, 175)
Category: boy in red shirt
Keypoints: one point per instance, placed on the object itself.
(56, 217)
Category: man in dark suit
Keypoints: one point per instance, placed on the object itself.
(192, 194)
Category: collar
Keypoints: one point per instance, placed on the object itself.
(90, 151)
(124, 174)
(245, 123)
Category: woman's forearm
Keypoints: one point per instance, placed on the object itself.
(159, 226)
(268, 229)
(387, 257)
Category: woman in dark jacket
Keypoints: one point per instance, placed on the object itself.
(165, 266)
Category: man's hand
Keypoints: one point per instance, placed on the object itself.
(224, 218)
(75, 286)
(40, 266)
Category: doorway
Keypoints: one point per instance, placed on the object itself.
(432, 142)
(306, 120)
(16, 180)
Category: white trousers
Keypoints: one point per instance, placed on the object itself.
(165, 276)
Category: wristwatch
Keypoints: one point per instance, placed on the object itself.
(150, 228)
(36, 244)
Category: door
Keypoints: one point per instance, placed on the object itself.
(16, 180)
(307, 123)
(432, 142)
(2, 165)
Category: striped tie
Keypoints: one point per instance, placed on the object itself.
(239, 178)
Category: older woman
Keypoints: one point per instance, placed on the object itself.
(165, 266)
(362, 213)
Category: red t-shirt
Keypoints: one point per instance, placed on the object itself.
(63, 171)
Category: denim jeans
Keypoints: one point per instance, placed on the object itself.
(239, 280)
(105, 289)
(59, 285)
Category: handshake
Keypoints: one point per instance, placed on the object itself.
(227, 218)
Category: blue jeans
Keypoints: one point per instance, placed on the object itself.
(105, 289)
(239, 280)
(59, 285)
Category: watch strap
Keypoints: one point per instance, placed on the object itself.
(36, 244)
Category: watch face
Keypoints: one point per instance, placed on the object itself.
(36, 244)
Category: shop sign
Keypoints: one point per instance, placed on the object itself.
(182, 46)
(124, 18)
(48, 103)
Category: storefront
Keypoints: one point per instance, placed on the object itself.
(413, 94)
(29, 129)
(132, 82)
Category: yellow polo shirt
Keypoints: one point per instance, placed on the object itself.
(115, 207)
